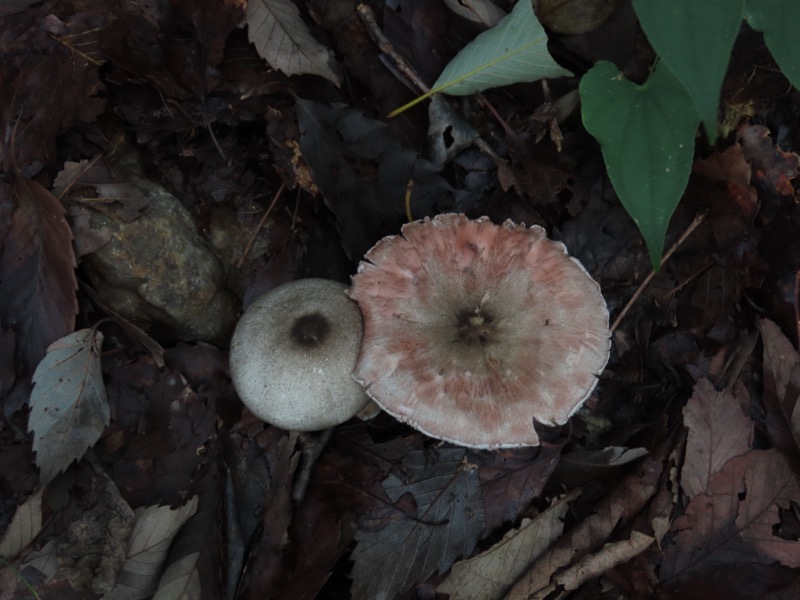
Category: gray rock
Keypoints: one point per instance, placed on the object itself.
(152, 267)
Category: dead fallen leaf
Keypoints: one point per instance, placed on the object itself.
(24, 526)
(731, 170)
(490, 574)
(512, 478)
(153, 531)
(627, 498)
(772, 167)
(733, 523)
(69, 408)
(37, 272)
(781, 387)
(594, 565)
(718, 431)
(438, 518)
(363, 172)
(284, 40)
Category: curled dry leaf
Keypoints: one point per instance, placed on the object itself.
(490, 574)
(284, 41)
(69, 408)
(594, 565)
(624, 502)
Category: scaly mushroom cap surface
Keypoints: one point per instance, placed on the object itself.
(473, 331)
(293, 353)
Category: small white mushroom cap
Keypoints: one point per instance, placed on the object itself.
(293, 353)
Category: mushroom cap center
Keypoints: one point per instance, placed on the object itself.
(310, 331)
(475, 328)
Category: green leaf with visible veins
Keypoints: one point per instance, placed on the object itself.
(646, 134)
(513, 51)
(694, 38)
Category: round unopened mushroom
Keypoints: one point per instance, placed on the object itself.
(473, 331)
(293, 353)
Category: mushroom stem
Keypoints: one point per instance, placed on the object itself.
(311, 446)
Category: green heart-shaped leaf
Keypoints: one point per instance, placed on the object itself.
(778, 20)
(694, 38)
(647, 137)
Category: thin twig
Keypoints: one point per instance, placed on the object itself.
(385, 46)
(263, 220)
(692, 226)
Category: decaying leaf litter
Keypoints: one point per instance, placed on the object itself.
(189, 156)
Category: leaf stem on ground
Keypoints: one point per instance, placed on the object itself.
(692, 226)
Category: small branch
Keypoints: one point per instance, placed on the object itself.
(368, 18)
(692, 226)
(263, 220)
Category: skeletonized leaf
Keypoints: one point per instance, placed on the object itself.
(513, 51)
(68, 404)
(153, 531)
(282, 39)
(26, 525)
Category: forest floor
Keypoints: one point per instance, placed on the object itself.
(158, 175)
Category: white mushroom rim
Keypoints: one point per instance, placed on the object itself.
(474, 331)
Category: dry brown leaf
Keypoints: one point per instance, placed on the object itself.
(490, 574)
(284, 40)
(153, 532)
(629, 496)
(594, 565)
(781, 387)
(773, 167)
(733, 524)
(24, 527)
(37, 272)
(718, 431)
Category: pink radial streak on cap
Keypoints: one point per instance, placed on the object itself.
(473, 331)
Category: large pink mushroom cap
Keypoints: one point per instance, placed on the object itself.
(473, 331)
